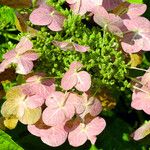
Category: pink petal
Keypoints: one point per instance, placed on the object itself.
(76, 66)
(40, 16)
(54, 99)
(10, 54)
(136, 10)
(77, 102)
(24, 45)
(141, 101)
(77, 137)
(34, 101)
(57, 22)
(64, 45)
(96, 107)
(31, 56)
(132, 43)
(83, 82)
(95, 127)
(69, 80)
(55, 136)
(141, 132)
(81, 48)
(24, 66)
(4, 65)
(53, 117)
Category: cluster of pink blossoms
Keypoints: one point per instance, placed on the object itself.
(52, 115)
(55, 115)
(141, 101)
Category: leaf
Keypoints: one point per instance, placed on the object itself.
(93, 147)
(135, 1)
(17, 3)
(6, 143)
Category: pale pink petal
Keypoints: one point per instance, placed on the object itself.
(54, 99)
(136, 10)
(75, 65)
(69, 80)
(31, 56)
(71, 1)
(77, 102)
(64, 45)
(78, 136)
(55, 136)
(131, 43)
(24, 66)
(95, 127)
(53, 117)
(34, 101)
(141, 101)
(24, 45)
(96, 107)
(81, 48)
(141, 132)
(101, 16)
(4, 65)
(83, 81)
(40, 16)
(10, 54)
(35, 131)
(57, 22)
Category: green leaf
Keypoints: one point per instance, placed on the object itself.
(135, 1)
(6, 143)
(93, 147)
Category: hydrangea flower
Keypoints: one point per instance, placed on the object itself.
(81, 80)
(138, 37)
(141, 100)
(109, 21)
(38, 85)
(71, 46)
(22, 56)
(18, 105)
(91, 105)
(142, 131)
(47, 15)
(59, 109)
(52, 136)
(86, 131)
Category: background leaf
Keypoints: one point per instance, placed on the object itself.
(6, 143)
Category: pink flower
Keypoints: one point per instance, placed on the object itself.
(22, 56)
(141, 100)
(111, 22)
(86, 131)
(81, 80)
(47, 15)
(59, 109)
(38, 85)
(71, 46)
(52, 136)
(139, 36)
(91, 105)
(142, 131)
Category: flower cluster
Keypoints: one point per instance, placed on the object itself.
(65, 114)
(67, 108)
(141, 101)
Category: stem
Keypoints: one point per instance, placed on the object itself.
(139, 69)
(137, 88)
